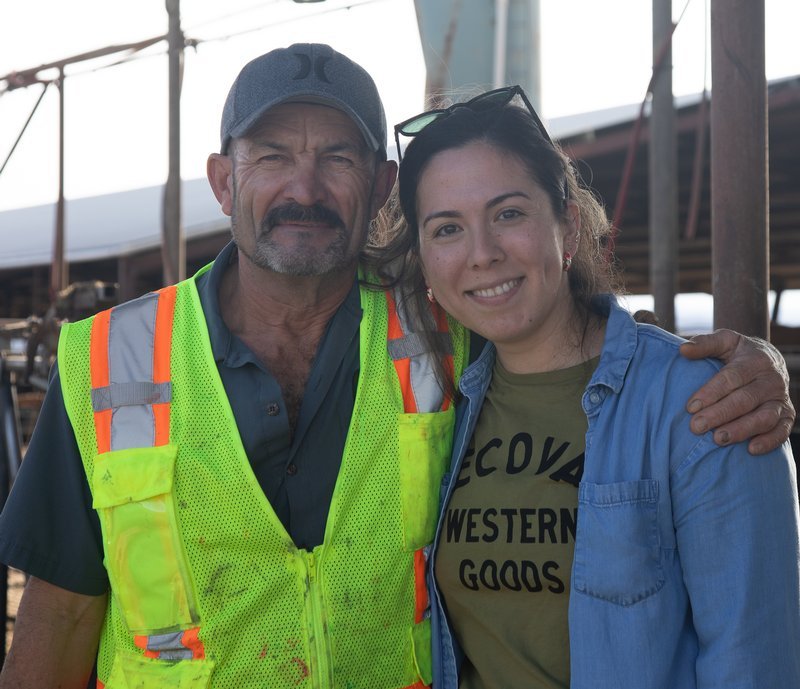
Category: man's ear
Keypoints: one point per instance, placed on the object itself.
(385, 175)
(219, 169)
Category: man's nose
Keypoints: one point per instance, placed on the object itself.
(305, 186)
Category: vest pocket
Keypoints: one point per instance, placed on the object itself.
(426, 441)
(132, 492)
(131, 671)
(618, 547)
(421, 641)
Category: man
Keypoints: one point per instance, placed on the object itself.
(242, 460)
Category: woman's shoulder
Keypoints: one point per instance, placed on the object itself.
(652, 348)
(660, 347)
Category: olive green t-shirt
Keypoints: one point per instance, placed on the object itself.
(507, 542)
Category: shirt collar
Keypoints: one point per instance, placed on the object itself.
(619, 344)
(224, 346)
(208, 285)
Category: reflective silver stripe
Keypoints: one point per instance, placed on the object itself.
(132, 427)
(129, 394)
(427, 392)
(169, 646)
(412, 344)
(131, 334)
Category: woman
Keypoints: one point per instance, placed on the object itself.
(587, 539)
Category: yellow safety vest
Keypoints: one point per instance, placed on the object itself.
(208, 589)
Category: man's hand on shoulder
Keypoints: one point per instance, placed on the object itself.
(748, 398)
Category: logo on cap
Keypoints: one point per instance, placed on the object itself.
(305, 68)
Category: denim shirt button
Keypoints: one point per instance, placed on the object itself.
(594, 398)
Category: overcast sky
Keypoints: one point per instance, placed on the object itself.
(594, 55)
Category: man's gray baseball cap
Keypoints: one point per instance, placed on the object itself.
(310, 73)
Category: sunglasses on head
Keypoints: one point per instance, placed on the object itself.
(498, 98)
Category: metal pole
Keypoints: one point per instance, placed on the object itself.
(663, 173)
(500, 42)
(739, 173)
(173, 245)
(535, 57)
(10, 458)
(58, 273)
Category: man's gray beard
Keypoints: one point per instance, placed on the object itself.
(298, 260)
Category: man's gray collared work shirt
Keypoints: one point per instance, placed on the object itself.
(48, 527)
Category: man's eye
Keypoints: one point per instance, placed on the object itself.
(270, 158)
(340, 160)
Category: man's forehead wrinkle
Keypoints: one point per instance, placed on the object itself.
(249, 149)
(306, 120)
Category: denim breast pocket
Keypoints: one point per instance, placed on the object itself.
(618, 548)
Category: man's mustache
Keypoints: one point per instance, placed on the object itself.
(294, 212)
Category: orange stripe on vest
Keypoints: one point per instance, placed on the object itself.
(420, 586)
(191, 641)
(98, 361)
(162, 349)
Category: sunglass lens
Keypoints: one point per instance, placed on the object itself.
(492, 100)
(419, 123)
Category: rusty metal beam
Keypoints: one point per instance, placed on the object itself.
(173, 242)
(663, 176)
(739, 173)
(27, 77)
(58, 266)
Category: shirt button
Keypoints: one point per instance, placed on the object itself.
(273, 409)
(594, 398)
(291, 469)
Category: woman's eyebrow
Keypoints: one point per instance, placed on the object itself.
(497, 200)
(440, 214)
(491, 203)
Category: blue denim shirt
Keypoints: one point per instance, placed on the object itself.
(687, 556)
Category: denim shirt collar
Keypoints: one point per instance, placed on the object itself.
(477, 375)
(619, 346)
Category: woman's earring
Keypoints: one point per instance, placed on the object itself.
(429, 293)
(566, 262)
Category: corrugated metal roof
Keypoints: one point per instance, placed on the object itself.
(104, 226)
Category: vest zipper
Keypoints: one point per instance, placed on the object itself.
(321, 661)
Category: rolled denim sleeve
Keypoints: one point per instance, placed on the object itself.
(736, 522)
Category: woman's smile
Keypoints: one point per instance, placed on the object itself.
(497, 291)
